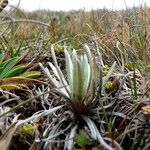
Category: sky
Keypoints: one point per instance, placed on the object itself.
(31, 5)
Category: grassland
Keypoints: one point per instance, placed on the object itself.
(75, 80)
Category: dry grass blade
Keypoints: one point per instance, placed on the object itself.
(69, 143)
(40, 113)
(9, 87)
(25, 102)
(3, 4)
(20, 80)
(5, 139)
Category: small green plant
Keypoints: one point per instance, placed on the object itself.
(27, 128)
(109, 86)
(82, 139)
(58, 48)
(112, 86)
(105, 70)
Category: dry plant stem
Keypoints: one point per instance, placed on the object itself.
(2, 33)
(9, 93)
(134, 139)
(123, 81)
(8, 100)
(8, 27)
(114, 143)
(25, 21)
(25, 102)
(146, 147)
(126, 132)
(38, 114)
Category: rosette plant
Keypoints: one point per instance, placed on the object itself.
(79, 91)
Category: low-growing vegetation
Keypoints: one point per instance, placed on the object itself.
(75, 80)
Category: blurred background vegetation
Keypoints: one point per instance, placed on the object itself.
(126, 30)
